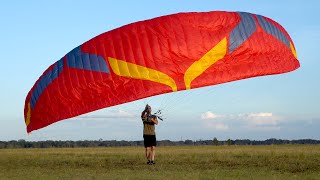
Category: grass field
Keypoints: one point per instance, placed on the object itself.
(181, 162)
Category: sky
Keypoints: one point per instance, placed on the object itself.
(35, 34)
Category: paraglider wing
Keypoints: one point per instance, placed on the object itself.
(165, 54)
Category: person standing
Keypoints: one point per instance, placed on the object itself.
(149, 134)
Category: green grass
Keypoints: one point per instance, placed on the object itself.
(191, 162)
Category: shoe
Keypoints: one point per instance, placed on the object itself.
(152, 162)
(148, 162)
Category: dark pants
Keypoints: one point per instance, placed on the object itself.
(150, 140)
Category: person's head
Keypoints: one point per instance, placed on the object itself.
(148, 109)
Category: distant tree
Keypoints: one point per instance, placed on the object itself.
(21, 143)
(215, 141)
(2, 145)
(229, 142)
(188, 142)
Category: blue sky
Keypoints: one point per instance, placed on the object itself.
(35, 34)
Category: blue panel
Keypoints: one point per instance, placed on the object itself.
(92, 62)
(78, 62)
(75, 59)
(60, 66)
(273, 30)
(242, 31)
(86, 62)
(45, 80)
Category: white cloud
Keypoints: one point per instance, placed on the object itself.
(209, 115)
(250, 121)
(210, 121)
(262, 119)
(261, 114)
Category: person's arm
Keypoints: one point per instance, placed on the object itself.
(154, 120)
(144, 117)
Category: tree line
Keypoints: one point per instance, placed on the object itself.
(114, 143)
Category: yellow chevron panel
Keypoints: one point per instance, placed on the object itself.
(293, 50)
(28, 114)
(211, 57)
(130, 70)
